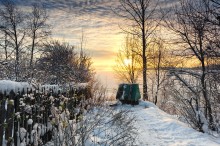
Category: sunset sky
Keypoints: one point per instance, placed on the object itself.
(100, 27)
(69, 18)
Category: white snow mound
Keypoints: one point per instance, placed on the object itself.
(157, 128)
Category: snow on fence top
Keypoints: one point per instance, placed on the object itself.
(57, 88)
(7, 86)
(47, 88)
(79, 85)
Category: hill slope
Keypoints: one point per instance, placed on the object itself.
(158, 128)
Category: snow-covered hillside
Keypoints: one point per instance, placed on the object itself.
(157, 128)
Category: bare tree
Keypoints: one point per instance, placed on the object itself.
(5, 45)
(5, 57)
(212, 7)
(12, 25)
(84, 71)
(39, 29)
(213, 17)
(59, 63)
(128, 63)
(56, 64)
(141, 14)
(193, 28)
(158, 63)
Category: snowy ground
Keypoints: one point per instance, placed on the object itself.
(157, 128)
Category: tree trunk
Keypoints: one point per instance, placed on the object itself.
(32, 53)
(144, 45)
(16, 55)
(145, 94)
(208, 108)
(5, 47)
(158, 76)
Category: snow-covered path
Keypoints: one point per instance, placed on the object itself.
(156, 128)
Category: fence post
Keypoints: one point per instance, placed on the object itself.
(17, 118)
(10, 119)
(30, 122)
(2, 116)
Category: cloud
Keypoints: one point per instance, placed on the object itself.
(102, 54)
(95, 18)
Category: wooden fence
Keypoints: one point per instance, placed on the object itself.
(23, 115)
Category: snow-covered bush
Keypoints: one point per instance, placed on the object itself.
(185, 94)
(98, 125)
(90, 121)
(60, 64)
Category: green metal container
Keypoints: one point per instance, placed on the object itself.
(120, 91)
(128, 93)
(135, 94)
